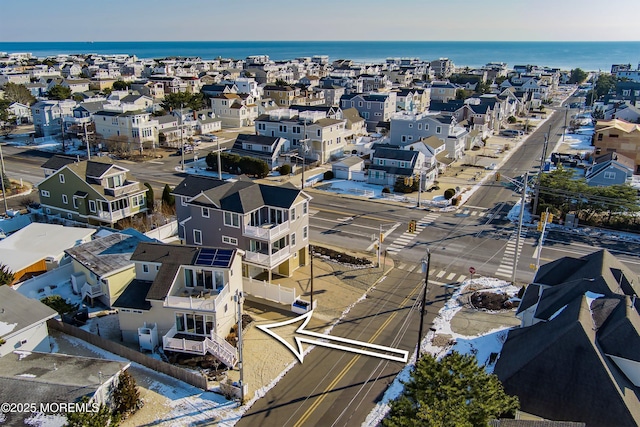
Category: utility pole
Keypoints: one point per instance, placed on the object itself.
(86, 140)
(543, 157)
(181, 138)
(426, 263)
(311, 273)
(566, 110)
(238, 298)
(219, 161)
(522, 201)
(4, 190)
(379, 243)
(419, 188)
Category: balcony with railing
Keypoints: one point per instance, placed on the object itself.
(198, 344)
(197, 298)
(269, 231)
(266, 259)
(91, 291)
(115, 215)
(128, 187)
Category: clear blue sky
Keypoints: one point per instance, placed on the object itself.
(518, 20)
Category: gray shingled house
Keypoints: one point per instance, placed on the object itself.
(577, 355)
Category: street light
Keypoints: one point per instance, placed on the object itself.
(426, 262)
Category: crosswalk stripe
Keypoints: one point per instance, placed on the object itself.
(390, 249)
(451, 276)
(474, 213)
(410, 269)
(481, 214)
(462, 278)
(402, 265)
(440, 274)
(500, 273)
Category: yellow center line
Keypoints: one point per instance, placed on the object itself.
(349, 365)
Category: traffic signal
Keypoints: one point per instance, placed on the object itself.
(497, 176)
(550, 218)
(381, 237)
(412, 226)
(540, 225)
(543, 219)
(406, 181)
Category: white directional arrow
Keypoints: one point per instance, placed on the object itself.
(328, 341)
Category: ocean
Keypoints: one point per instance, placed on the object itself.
(589, 56)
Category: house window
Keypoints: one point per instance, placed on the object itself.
(45, 193)
(305, 233)
(410, 125)
(61, 176)
(205, 212)
(75, 203)
(232, 219)
(183, 201)
(145, 268)
(230, 240)
(197, 236)
(613, 135)
(304, 208)
(293, 214)
(318, 132)
(438, 129)
(70, 216)
(419, 126)
(293, 239)
(92, 205)
(65, 199)
(609, 175)
(599, 137)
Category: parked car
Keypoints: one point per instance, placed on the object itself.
(208, 137)
(511, 133)
(492, 166)
(187, 149)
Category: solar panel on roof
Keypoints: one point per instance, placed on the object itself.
(214, 257)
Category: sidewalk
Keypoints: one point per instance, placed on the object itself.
(336, 288)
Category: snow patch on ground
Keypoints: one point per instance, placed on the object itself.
(482, 347)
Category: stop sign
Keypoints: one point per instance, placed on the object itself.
(472, 270)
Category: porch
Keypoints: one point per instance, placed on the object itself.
(200, 344)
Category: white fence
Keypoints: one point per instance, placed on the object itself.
(168, 230)
(30, 288)
(270, 291)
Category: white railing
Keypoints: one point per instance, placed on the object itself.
(114, 215)
(181, 344)
(213, 344)
(220, 348)
(266, 231)
(190, 302)
(269, 260)
(269, 291)
(91, 291)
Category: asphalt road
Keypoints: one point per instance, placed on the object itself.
(338, 388)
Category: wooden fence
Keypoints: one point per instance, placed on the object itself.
(174, 371)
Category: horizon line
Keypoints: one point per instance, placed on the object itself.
(321, 41)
